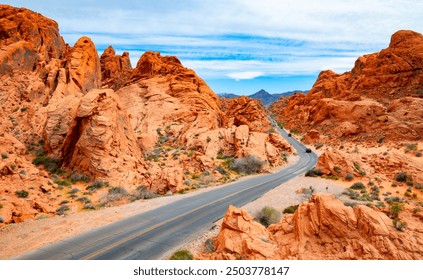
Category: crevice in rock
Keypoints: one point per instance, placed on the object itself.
(71, 140)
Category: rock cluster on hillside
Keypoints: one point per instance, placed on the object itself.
(322, 228)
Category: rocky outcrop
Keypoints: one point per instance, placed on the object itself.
(25, 191)
(115, 69)
(83, 66)
(312, 136)
(364, 102)
(333, 162)
(245, 111)
(322, 228)
(100, 140)
(242, 237)
(80, 74)
(27, 39)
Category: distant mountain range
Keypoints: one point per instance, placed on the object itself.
(265, 97)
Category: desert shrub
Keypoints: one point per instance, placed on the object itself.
(49, 163)
(209, 245)
(401, 177)
(4, 156)
(399, 225)
(143, 193)
(410, 183)
(114, 194)
(182, 255)
(349, 176)
(247, 165)
(314, 172)
(97, 185)
(351, 194)
(337, 169)
(380, 204)
(267, 216)
(290, 209)
(22, 193)
(395, 208)
(64, 202)
(418, 154)
(1, 206)
(358, 186)
(393, 199)
(221, 170)
(65, 183)
(350, 203)
(76, 177)
(307, 193)
(410, 147)
(1, 219)
(83, 199)
(62, 209)
(73, 191)
(88, 206)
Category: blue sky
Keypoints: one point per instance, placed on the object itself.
(239, 46)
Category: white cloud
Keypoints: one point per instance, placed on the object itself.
(287, 37)
(245, 75)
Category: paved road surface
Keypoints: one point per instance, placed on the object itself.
(154, 234)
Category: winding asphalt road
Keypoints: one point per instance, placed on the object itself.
(152, 235)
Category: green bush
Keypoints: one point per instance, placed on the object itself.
(22, 193)
(143, 193)
(49, 163)
(399, 225)
(351, 194)
(349, 176)
(358, 186)
(1, 219)
(247, 165)
(395, 208)
(62, 209)
(314, 172)
(182, 255)
(65, 183)
(76, 177)
(401, 177)
(290, 209)
(268, 216)
(97, 185)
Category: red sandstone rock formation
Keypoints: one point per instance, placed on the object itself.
(369, 102)
(28, 40)
(246, 111)
(322, 228)
(115, 69)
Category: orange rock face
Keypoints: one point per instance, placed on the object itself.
(245, 111)
(100, 141)
(369, 102)
(28, 39)
(17, 174)
(322, 228)
(115, 69)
